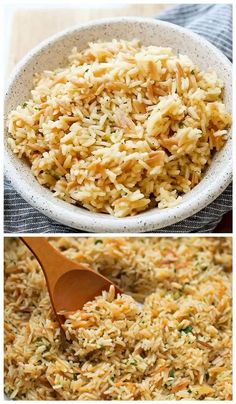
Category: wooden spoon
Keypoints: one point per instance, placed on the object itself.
(70, 284)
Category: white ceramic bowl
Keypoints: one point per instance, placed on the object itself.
(51, 54)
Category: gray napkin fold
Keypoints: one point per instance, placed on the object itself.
(212, 21)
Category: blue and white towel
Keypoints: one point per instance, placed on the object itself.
(214, 22)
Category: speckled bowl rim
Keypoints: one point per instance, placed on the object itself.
(82, 219)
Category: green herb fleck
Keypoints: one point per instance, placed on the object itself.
(75, 376)
(98, 241)
(43, 342)
(187, 329)
(13, 261)
(175, 270)
(25, 105)
(192, 71)
(134, 362)
(48, 347)
(189, 391)
(54, 174)
(172, 373)
(204, 268)
(112, 378)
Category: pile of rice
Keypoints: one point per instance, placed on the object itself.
(177, 346)
(122, 128)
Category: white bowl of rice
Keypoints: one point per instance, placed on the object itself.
(120, 125)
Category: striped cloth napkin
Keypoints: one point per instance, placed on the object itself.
(203, 19)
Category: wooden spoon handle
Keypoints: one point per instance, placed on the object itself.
(53, 263)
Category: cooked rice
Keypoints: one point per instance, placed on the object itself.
(177, 346)
(122, 128)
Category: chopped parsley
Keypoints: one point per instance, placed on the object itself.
(54, 174)
(187, 329)
(98, 242)
(24, 105)
(189, 391)
(43, 342)
(172, 373)
(13, 261)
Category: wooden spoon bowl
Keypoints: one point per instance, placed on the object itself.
(70, 284)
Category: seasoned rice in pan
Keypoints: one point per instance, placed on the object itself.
(177, 346)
